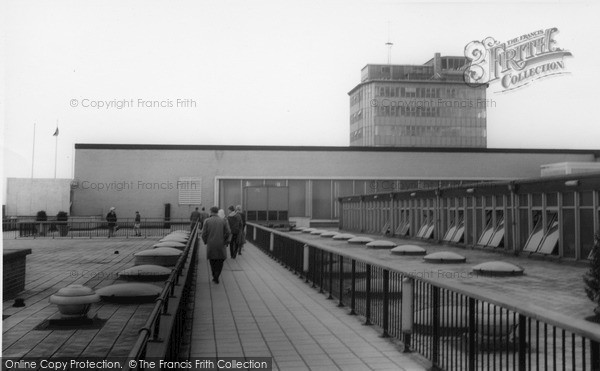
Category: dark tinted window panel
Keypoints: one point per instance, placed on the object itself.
(586, 231)
(297, 197)
(568, 199)
(322, 199)
(586, 198)
(536, 199)
(230, 193)
(568, 232)
(551, 199)
(278, 198)
(256, 198)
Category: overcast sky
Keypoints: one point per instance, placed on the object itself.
(262, 72)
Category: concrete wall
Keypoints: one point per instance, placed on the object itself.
(26, 196)
(145, 178)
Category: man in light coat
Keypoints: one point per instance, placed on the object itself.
(215, 236)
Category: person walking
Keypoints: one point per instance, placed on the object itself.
(235, 224)
(194, 218)
(203, 216)
(215, 235)
(137, 223)
(111, 218)
(238, 209)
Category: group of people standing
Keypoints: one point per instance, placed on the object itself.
(218, 232)
(111, 221)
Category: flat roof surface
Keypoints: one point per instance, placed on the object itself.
(56, 263)
(548, 285)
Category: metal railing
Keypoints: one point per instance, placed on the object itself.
(162, 335)
(90, 228)
(453, 327)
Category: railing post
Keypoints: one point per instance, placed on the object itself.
(305, 261)
(362, 216)
(314, 268)
(287, 254)
(472, 334)
(322, 253)
(330, 297)
(253, 234)
(341, 280)
(407, 311)
(368, 294)
(271, 242)
(435, 324)
(595, 355)
(353, 289)
(522, 343)
(298, 260)
(386, 302)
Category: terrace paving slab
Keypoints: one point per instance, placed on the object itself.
(261, 309)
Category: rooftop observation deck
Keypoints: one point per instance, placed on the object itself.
(262, 309)
(259, 309)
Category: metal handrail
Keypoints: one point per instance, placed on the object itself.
(150, 328)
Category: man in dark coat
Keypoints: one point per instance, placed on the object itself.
(203, 216)
(235, 224)
(215, 235)
(194, 218)
(238, 210)
(111, 218)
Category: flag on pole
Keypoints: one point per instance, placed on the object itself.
(56, 132)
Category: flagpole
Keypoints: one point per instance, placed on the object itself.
(55, 150)
(73, 163)
(33, 151)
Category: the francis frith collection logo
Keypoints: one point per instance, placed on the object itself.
(516, 62)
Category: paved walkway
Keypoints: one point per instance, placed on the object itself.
(260, 309)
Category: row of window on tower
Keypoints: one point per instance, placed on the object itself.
(406, 92)
(408, 111)
(423, 131)
(410, 92)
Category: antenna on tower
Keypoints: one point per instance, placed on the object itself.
(389, 45)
